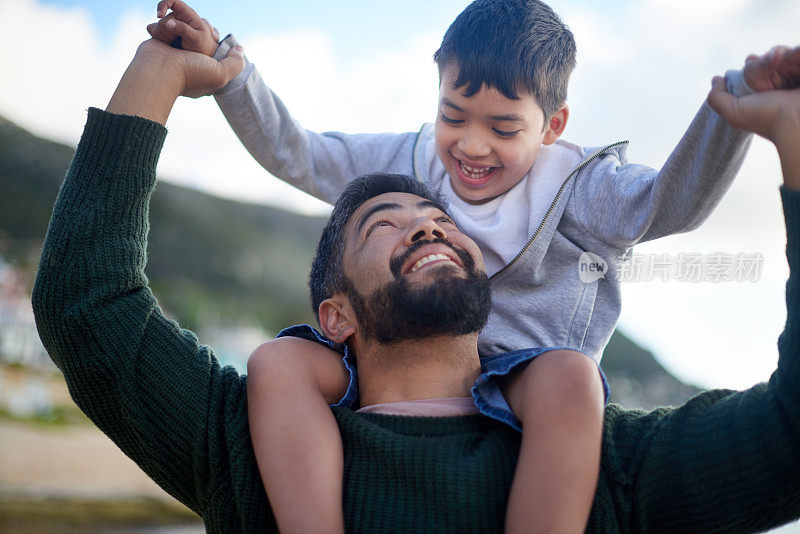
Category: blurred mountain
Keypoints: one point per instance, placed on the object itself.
(637, 379)
(230, 260)
(207, 255)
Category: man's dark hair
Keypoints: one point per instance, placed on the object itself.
(327, 274)
(513, 46)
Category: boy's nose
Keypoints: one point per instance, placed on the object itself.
(473, 144)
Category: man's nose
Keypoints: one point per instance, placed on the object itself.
(424, 228)
(473, 144)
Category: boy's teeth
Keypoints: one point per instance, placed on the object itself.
(427, 259)
(475, 172)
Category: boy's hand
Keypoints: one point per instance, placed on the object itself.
(195, 32)
(777, 69)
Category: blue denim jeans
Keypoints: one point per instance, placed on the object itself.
(486, 392)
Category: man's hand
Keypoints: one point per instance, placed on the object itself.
(773, 114)
(777, 69)
(159, 74)
(195, 32)
(203, 75)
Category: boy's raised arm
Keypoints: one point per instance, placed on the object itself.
(318, 163)
(681, 195)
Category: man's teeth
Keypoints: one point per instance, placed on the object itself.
(475, 172)
(428, 259)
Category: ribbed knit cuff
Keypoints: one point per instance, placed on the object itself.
(114, 167)
(128, 140)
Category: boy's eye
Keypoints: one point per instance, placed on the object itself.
(448, 120)
(503, 133)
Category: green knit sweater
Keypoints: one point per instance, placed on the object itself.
(725, 461)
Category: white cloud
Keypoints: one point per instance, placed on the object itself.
(48, 79)
(50, 87)
(372, 92)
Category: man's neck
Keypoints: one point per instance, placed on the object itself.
(432, 368)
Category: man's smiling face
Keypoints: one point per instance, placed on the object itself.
(410, 272)
(399, 235)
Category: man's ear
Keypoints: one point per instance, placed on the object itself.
(336, 318)
(558, 121)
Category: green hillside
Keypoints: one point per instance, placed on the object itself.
(205, 253)
(213, 256)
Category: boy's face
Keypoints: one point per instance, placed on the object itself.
(488, 142)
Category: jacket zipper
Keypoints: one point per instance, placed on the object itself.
(553, 205)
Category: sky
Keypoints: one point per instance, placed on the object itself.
(644, 68)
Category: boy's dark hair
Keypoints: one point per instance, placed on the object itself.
(512, 45)
(327, 273)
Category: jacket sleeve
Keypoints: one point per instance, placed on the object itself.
(157, 393)
(319, 164)
(622, 204)
(725, 461)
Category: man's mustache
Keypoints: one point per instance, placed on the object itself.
(395, 264)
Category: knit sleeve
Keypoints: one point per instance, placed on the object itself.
(158, 394)
(724, 461)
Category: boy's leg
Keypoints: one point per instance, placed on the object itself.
(295, 436)
(559, 399)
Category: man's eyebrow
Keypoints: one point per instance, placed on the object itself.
(431, 204)
(436, 205)
(374, 209)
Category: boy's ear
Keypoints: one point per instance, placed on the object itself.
(336, 318)
(556, 126)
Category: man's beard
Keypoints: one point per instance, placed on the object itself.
(449, 305)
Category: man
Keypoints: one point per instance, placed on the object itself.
(725, 461)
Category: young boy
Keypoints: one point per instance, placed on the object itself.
(533, 203)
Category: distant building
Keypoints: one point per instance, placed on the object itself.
(19, 340)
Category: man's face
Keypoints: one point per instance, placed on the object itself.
(487, 142)
(411, 273)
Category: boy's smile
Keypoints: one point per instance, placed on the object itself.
(488, 142)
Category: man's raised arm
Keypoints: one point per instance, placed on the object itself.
(726, 461)
(146, 383)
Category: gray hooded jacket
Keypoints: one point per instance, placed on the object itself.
(599, 203)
